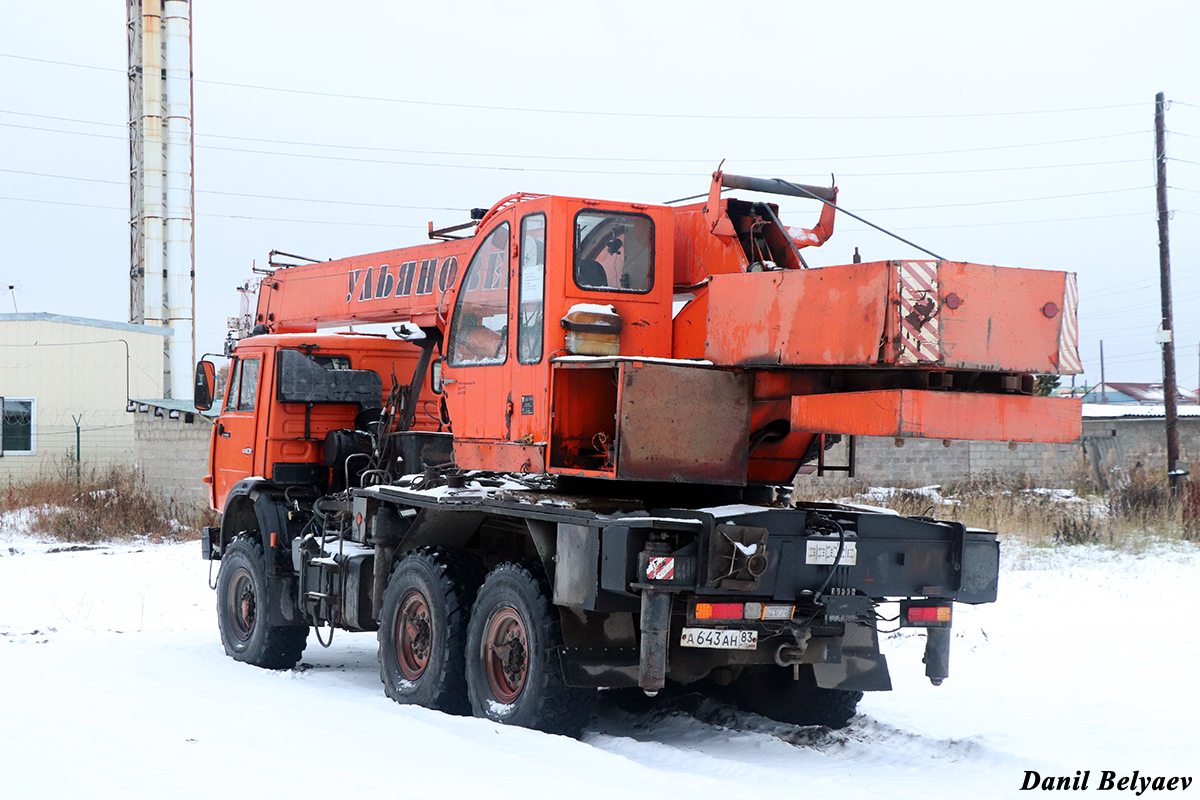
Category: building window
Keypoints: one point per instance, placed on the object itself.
(18, 435)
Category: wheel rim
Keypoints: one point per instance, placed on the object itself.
(507, 654)
(414, 635)
(243, 604)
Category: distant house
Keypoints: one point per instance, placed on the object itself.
(1113, 392)
(65, 385)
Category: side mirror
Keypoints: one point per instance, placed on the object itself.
(206, 380)
(435, 376)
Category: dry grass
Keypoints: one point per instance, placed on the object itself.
(1137, 512)
(111, 505)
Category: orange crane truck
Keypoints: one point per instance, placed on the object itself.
(568, 468)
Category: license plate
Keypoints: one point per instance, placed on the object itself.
(718, 639)
(824, 552)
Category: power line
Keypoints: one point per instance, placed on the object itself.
(239, 194)
(559, 170)
(597, 158)
(593, 112)
(418, 227)
(1018, 222)
(1003, 202)
(62, 203)
(1141, 283)
(446, 208)
(65, 119)
(222, 216)
(1125, 309)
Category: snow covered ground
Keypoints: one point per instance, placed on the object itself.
(115, 686)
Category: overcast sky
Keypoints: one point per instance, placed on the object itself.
(1002, 133)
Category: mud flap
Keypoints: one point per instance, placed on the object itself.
(857, 672)
(281, 601)
(861, 667)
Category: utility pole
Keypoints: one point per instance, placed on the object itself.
(1103, 385)
(1175, 474)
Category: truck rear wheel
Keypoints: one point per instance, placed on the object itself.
(775, 693)
(513, 671)
(423, 628)
(246, 631)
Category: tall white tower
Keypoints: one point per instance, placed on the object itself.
(162, 271)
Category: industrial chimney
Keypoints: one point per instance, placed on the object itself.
(162, 252)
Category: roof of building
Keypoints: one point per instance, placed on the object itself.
(1139, 392)
(1117, 410)
(182, 406)
(41, 316)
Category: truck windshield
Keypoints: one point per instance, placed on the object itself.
(479, 332)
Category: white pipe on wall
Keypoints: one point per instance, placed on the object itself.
(176, 34)
(152, 161)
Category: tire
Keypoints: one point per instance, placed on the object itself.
(241, 610)
(514, 674)
(423, 628)
(775, 693)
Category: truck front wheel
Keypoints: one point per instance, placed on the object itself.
(246, 631)
(513, 642)
(423, 628)
(774, 692)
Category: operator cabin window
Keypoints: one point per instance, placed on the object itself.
(18, 433)
(479, 333)
(531, 303)
(614, 252)
(243, 385)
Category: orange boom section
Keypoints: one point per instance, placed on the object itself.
(923, 314)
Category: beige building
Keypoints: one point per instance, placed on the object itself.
(65, 384)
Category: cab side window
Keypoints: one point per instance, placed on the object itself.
(614, 252)
(231, 391)
(479, 332)
(248, 385)
(243, 385)
(531, 300)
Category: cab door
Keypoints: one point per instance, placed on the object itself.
(530, 374)
(235, 433)
(477, 381)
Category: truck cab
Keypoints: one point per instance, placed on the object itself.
(287, 394)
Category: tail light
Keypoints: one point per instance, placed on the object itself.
(925, 615)
(747, 611)
(719, 610)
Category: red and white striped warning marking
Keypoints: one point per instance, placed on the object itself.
(660, 569)
(1068, 332)
(919, 338)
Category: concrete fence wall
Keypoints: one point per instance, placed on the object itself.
(173, 454)
(1108, 447)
